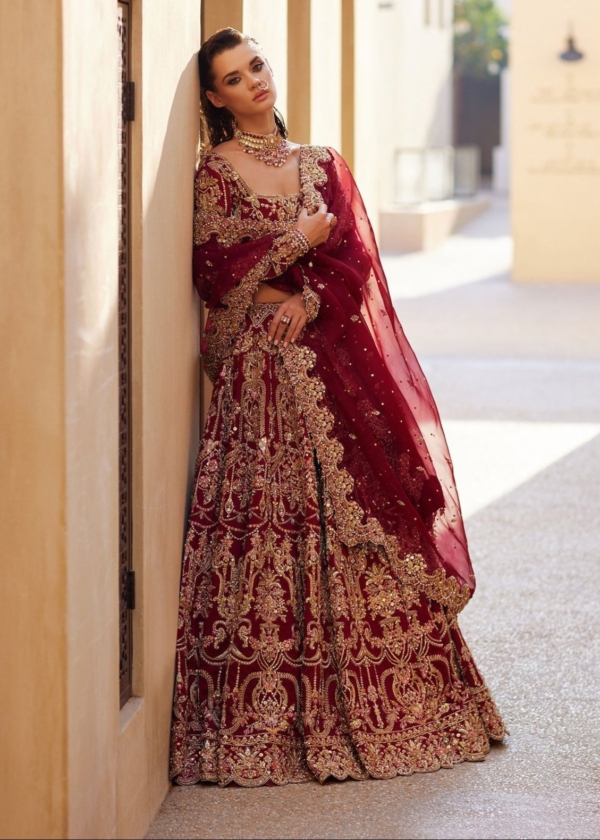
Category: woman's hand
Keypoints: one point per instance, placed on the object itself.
(316, 227)
(294, 309)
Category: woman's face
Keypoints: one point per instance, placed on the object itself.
(237, 73)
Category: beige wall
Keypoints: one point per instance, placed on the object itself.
(326, 73)
(166, 375)
(71, 765)
(33, 722)
(555, 177)
(217, 14)
(299, 70)
(90, 300)
(267, 21)
(366, 109)
(413, 85)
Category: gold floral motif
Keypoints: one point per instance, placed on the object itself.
(312, 301)
(352, 525)
(300, 656)
(227, 208)
(286, 250)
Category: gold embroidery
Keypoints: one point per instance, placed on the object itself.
(349, 516)
(298, 656)
(286, 250)
(312, 301)
(244, 214)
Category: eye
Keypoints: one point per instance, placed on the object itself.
(259, 65)
(233, 81)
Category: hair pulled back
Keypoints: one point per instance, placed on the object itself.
(218, 123)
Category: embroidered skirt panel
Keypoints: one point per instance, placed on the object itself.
(299, 657)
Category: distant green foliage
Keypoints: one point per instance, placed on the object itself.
(480, 44)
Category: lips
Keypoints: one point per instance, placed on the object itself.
(260, 96)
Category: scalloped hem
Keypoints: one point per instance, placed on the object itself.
(456, 737)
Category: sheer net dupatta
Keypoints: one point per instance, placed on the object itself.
(378, 405)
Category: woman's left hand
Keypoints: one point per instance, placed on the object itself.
(294, 309)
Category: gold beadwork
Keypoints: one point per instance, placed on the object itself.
(272, 149)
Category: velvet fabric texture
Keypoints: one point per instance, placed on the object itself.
(326, 556)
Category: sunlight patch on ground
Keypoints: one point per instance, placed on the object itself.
(491, 457)
(447, 267)
(482, 249)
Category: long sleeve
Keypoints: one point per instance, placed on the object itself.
(228, 248)
(236, 247)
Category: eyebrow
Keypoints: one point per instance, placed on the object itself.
(236, 72)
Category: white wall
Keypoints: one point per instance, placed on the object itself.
(325, 73)
(413, 85)
(91, 363)
(266, 20)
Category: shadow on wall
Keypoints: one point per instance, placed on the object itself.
(167, 332)
(166, 377)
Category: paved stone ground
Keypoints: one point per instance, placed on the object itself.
(516, 372)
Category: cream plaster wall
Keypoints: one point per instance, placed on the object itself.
(326, 73)
(33, 620)
(414, 82)
(166, 378)
(366, 106)
(299, 70)
(71, 765)
(91, 364)
(555, 167)
(267, 21)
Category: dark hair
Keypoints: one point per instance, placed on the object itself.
(218, 123)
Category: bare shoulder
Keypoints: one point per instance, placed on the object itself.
(228, 149)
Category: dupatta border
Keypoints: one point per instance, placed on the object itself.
(225, 323)
(349, 515)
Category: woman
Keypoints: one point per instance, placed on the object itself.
(326, 558)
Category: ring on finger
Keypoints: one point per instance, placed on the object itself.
(285, 319)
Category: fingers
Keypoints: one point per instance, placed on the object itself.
(276, 328)
(287, 331)
(314, 211)
(295, 328)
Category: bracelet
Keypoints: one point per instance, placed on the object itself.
(303, 241)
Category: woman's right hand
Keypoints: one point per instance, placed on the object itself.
(315, 227)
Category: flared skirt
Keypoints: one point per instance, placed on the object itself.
(299, 657)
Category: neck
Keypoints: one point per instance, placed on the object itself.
(260, 124)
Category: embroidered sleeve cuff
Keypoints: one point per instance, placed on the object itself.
(312, 302)
(287, 249)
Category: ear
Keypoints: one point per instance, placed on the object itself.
(215, 99)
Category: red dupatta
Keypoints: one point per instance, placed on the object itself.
(370, 413)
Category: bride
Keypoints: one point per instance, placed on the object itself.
(325, 560)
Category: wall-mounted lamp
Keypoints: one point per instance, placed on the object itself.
(571, 53)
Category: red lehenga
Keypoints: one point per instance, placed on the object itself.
(326, 558)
